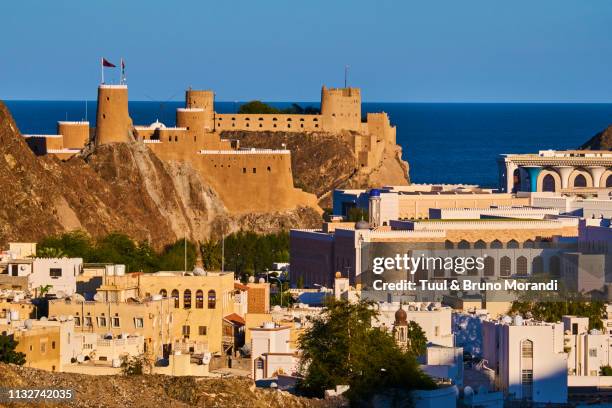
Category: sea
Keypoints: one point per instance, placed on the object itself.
(443, 142)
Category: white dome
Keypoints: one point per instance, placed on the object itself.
(157, 125)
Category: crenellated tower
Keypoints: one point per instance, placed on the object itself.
(199, 110)
(341, 109)
(113, 122)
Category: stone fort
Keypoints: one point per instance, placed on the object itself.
(246, 179)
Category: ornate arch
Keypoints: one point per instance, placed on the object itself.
(604, 177)
(576, 173)
(549, 172)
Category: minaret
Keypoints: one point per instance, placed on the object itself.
(374, 208)
(400, 328)
(113, 122)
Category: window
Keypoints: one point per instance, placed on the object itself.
(512, 244)
(593, 352)
(259, 364)
(244, 170)
(138, 322)
(43, 347)
(87, 321)
(537, 265)
(187, 299)
(212, 299)
(116, 321)
(202, 330)
(101, 321)
(163, 292)
(254, 170)
(521, 266)
(199, 299)
(55, 273)
(186, 331)
(14, 270)
(53, 345)
(505, 266)
(175, 296)
(77, 321)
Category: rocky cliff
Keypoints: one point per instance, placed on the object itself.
(119, 187)
(152, 391)
(601, 141)
(322, 162)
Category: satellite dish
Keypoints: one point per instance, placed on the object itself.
(43, 319)
(80, 358)
(206, 358)
(28, 323)
(468, 391)
(98, 297)
(60, 294)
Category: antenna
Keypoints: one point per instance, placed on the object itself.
(85, 110)
(346, 68)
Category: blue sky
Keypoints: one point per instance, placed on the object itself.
(398, 51)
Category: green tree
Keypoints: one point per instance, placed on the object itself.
(417, 340)
(71, 244)
(553, 311)
(357, 214)
(606, 370)
(257, 107)
(342, 347)
(50, 252)
(8, 353)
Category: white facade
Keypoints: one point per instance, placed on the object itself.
(588, 350)
(59, 273)
(270, 351)
(528, 359)
(436, 323)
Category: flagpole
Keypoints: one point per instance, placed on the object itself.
(102, 68)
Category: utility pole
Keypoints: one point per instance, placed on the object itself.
(346, 68)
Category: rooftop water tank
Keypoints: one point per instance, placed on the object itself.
(269, 325)
(120, 270)
(14, 315)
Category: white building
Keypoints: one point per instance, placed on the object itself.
(588, 350)
(271, 353)
(435, 320)
(32, 274)
(528, 359)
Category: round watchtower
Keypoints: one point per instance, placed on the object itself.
(205, 100)
(113, 122)
(75, 134)
(193, 119)
(341, 108)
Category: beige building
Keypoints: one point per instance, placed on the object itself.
(198, 304)
(151, 318)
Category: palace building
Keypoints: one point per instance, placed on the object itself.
(559, 171)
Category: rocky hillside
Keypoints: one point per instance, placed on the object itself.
(601, 141)
(322, 162)
(122, 187)
(152, 390)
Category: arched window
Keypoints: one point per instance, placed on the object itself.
(175, 296)
(516, 181)
(163, 292)
(473, 269)
(199, 299)
(187, 299)
(537, 265)
(496, 244)
(609, 182)
(505, 267)
(212, 299)
(463, 244)
(527, 369)
(548, 183)
(489, 266)
(555, 266)
(421, 273)
(448, 244)
(512, 244)
(580, 181)
(438, 268)
(528, 244)
(521, 266)
(480, 244)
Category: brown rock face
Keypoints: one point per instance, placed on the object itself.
(601, 141)
(322, 162)
(120, 187)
